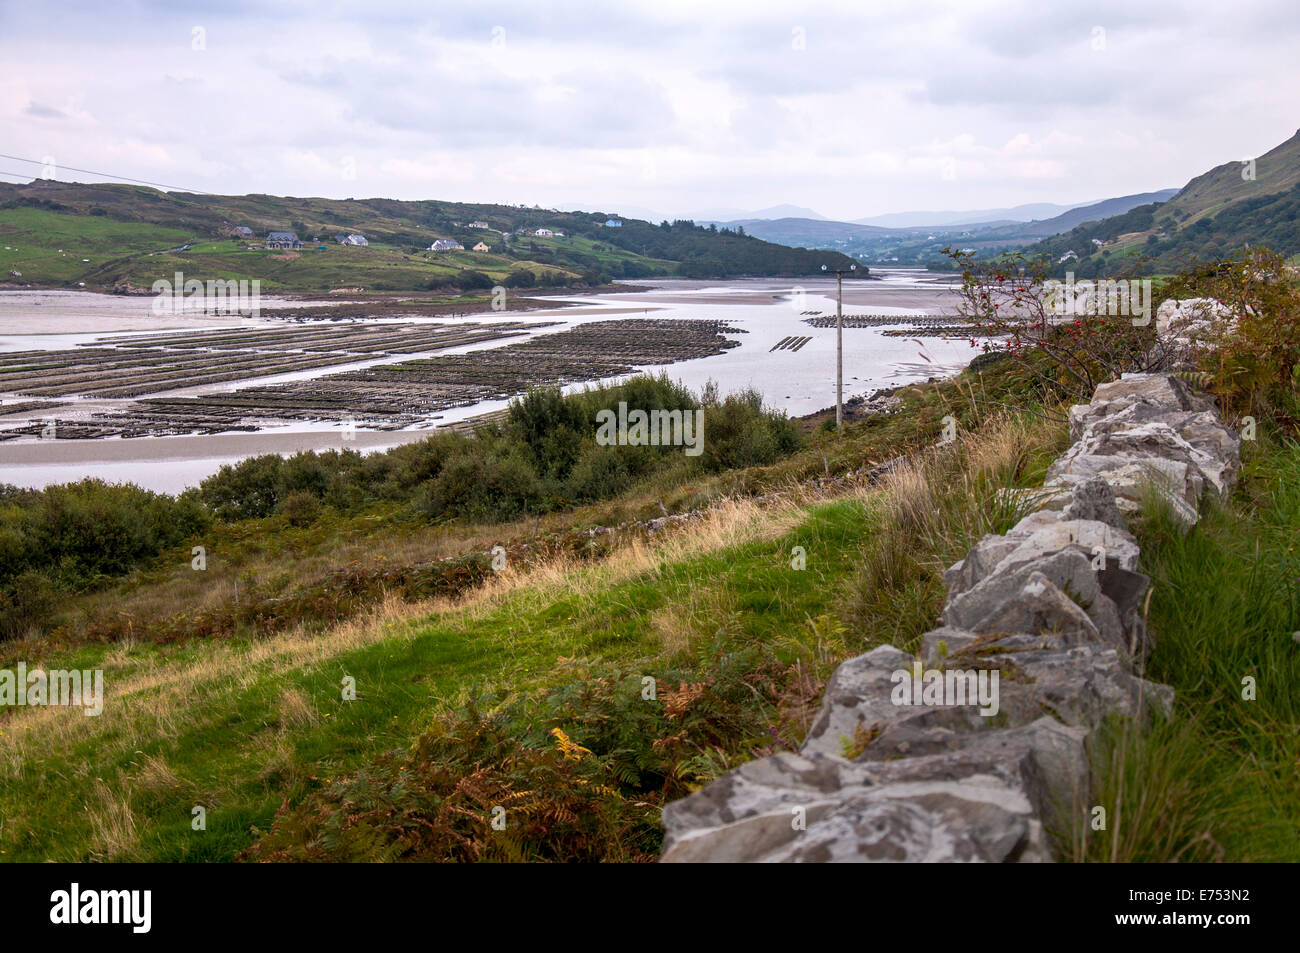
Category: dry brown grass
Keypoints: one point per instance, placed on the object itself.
(296, 710)
(155, 776)
(684, 625)
(114, 834)
(266, 569)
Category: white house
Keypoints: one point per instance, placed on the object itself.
(446, 244)
(478, 225)
(1068, 256)
(613, 223)
(544, 233)
(351, 239)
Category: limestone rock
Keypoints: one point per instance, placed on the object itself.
(1186, 329)
(1045, 620)
(1093, 499)
(856, 698)
(970, 805)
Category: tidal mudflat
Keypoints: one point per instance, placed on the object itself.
(193, 396)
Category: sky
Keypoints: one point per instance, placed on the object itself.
(664, 107)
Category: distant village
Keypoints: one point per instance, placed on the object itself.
(289, 241)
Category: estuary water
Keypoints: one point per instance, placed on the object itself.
(764, 310)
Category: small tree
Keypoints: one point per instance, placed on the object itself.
(1016, 311)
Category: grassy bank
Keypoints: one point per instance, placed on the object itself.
(1219, 781)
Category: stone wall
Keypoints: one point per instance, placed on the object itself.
(900, 765)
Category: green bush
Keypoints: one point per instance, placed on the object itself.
(24, 603)
(301, 508)
(470, 280)
(600, 473)
(487, 483)
(552, 427)
(71, 537)
(1255, 365)
(738, 432)
(543, 455)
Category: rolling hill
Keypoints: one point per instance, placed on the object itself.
(1077, 216)
(110, 236)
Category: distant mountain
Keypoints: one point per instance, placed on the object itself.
(1215, 214)
(1077, 216)
(1019, 213)
(801, 232)
(786, 211)
(806, 232)
(739, 215)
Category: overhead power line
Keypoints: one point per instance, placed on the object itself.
(107, 175)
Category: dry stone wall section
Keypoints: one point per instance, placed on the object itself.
(978, 748)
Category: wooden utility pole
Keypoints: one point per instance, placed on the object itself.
(839, 343)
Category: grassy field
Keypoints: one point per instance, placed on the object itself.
(239, 726)
(244, 723)
(50, 247)
(46, 246)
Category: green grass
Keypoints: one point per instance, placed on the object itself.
(49, 246)
(1219, 781)
(230, 747)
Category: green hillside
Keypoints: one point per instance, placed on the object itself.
(1215, 214)
(110, 236)
(1277, 171)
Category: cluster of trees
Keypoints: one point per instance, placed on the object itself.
(72, 537)
(543, 456)
(713, 253)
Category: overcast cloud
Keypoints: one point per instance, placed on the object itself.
(853, 108)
